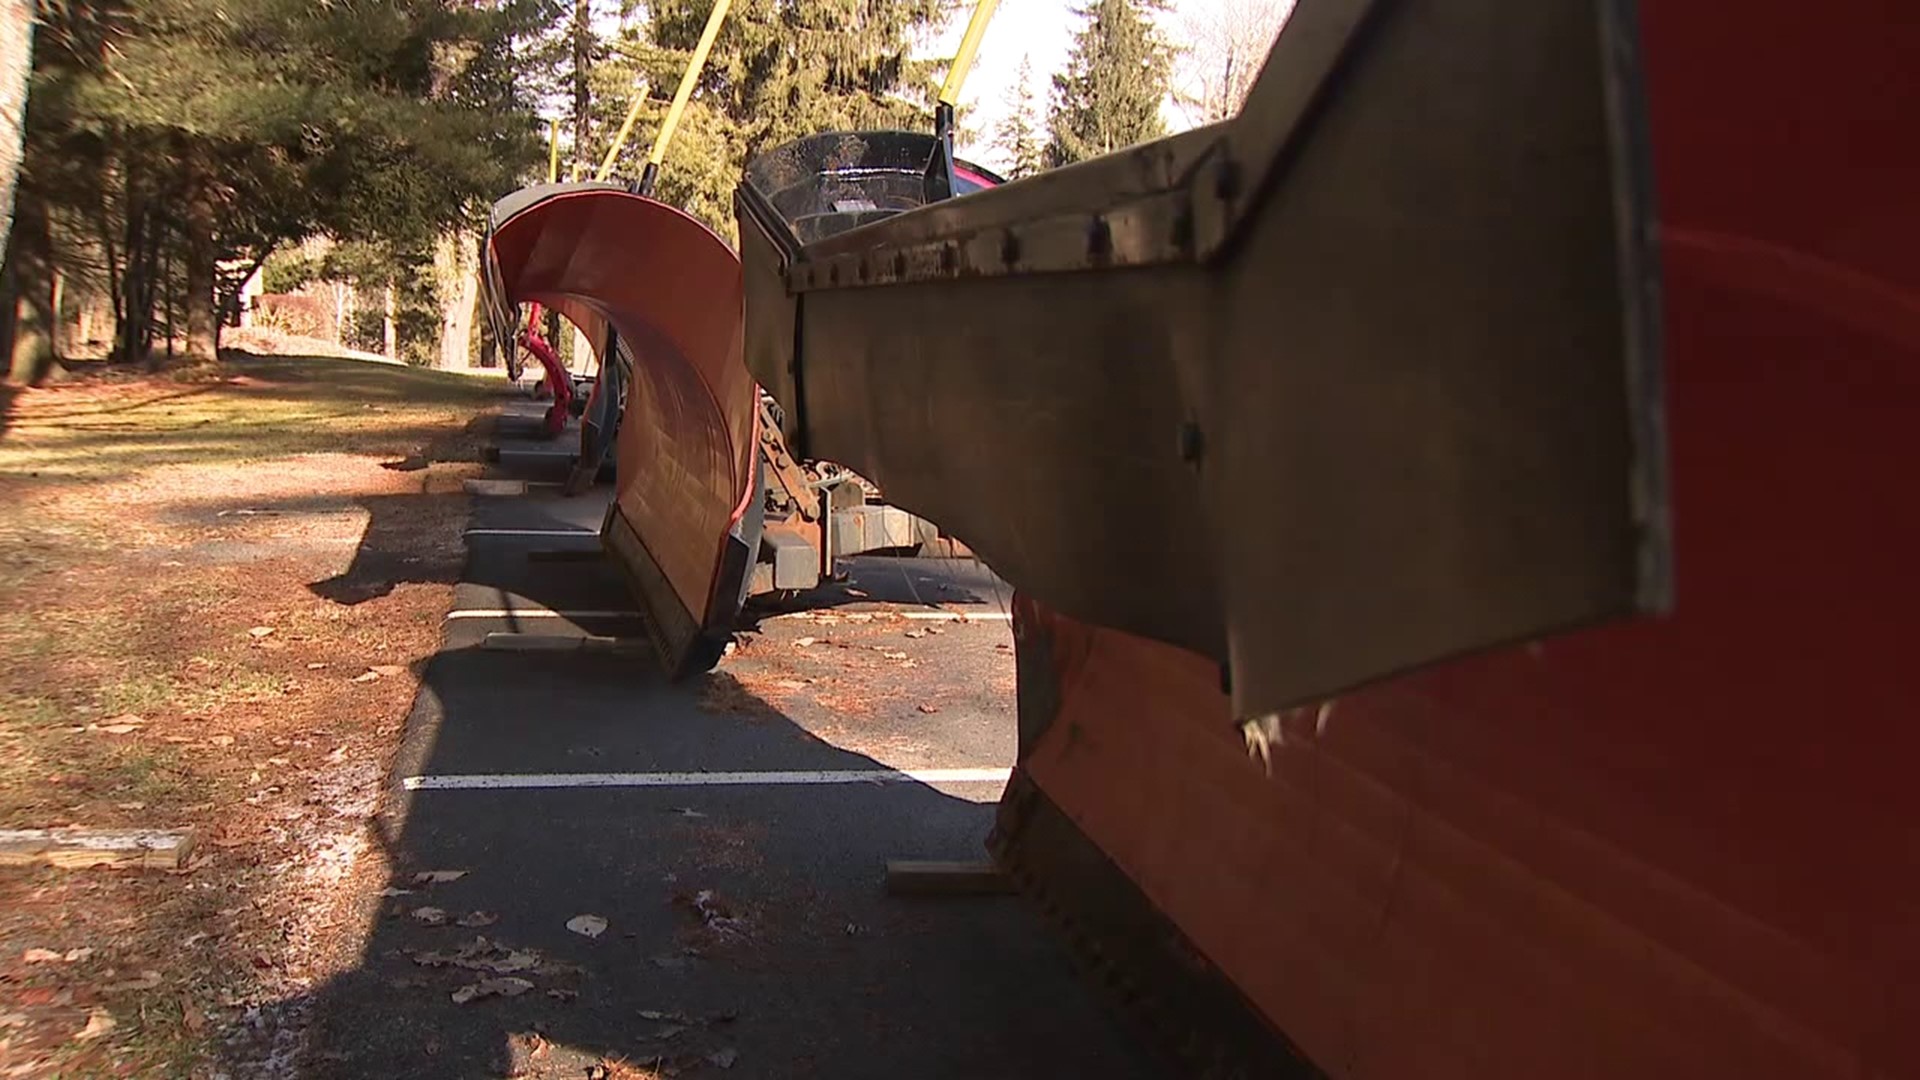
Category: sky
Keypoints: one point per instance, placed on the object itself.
(1041, 30)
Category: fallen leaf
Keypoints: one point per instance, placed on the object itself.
(315, 666)
(198, 862)
(519, 960)
(475, 919)
(916, 633)
(147, 981)
(587, 926)
(279, 762)
(429, 916)
(389, 890)
(501, 987)
(115, 729)
(893, 655)
(131, 805)
(387, 670)
(801, 643)
(99, 1022)
(790, 684)
(42, 956)
(936, 629)
(559, 994)
(366, 677)
(220, 740)
(260, 631)
(928, 708)
(191, 1016)
(75, 956)
(856, 592)
(438, 877)
(724, 1057)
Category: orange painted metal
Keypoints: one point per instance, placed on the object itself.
(671, 289)
(1683, 848)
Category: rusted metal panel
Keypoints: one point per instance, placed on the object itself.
(671, 289)
(1678, 847)
(1368, 371)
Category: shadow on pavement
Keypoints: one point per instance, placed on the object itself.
(746, 928)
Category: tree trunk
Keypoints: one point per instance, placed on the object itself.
(582, 93)
(130, 315)
(460, 294)
(390, 331)
(32, 358)
(16, 66)
(57, 312)
(203, 324)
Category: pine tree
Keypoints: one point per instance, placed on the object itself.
(1117, 76)
(1017, 136)
(779, 70)
(201, 133)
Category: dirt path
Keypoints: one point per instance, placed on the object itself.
(214, 600)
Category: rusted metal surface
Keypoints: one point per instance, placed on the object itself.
(1367, 370)
(670, 288)
(1677, 847)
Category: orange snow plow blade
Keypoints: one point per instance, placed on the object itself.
(658, 296)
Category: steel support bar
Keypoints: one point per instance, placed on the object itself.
(1361, 379)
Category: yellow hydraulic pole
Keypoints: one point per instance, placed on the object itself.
(680, 96)
(553, 151)
(969, 45)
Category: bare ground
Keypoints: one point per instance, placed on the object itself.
(214, 599)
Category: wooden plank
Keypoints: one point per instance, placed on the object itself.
(80, 848)
(495, 487)
(936, 877)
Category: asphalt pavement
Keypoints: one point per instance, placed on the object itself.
(635, 887)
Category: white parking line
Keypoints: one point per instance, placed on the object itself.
(548, 781)
(538, 613)
(481, 531)
(936, 616)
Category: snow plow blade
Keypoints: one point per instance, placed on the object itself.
(658, 296)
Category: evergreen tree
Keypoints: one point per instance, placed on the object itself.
(177, 136)
(1117, 76)
(1017, 136)
(780, 69)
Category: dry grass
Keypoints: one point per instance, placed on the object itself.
(191, 579)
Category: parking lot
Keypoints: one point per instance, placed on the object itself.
(613, 872)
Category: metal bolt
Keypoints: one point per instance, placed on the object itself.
(1183, 229)
(1226, 180)
(1099, 239)
(1193, 443)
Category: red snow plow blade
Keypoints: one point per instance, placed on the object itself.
(658, 295)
